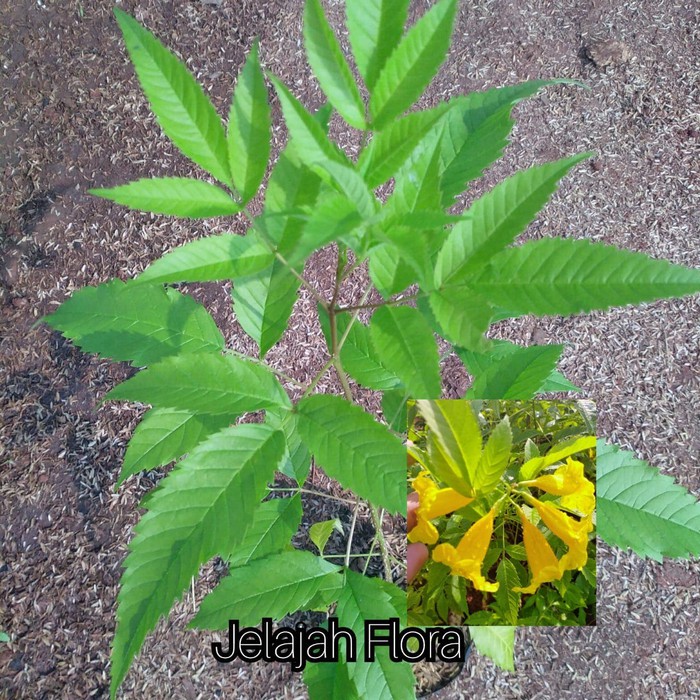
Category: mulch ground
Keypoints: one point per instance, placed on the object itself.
(72, 117)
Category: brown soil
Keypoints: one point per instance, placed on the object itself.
(72, 116)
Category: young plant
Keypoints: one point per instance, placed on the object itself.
(437, 271)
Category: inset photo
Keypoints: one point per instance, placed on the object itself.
(501, 512)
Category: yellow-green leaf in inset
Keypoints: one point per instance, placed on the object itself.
(355, 450)
(202, 507)
(556, 453)
(496, 643)
(494, 458)
(184, 112)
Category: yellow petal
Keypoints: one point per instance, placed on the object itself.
(424, 531)
(570, 482)
(541, 558)
(573, 533)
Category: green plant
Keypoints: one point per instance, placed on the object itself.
(466, 276)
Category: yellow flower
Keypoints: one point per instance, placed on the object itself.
(467, 558)
(543, 562)
(433, 502)
(569, 482)
(574, 533)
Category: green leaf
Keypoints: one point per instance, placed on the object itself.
(165, 434)
(389, 272)
(272, 587)
(207, 383)
(142, 324)
(642, 509)
(4, 637)
(297, 460)
(311, 142)
(556, 276)
(405, 345)
(355, 450)
(364, 598)
(555, 454)
(375, 28)
(175, 196)
(557, 382)
(494, 458)
(330, 67)
(184, 112)
(455, 441)
(496, 643)
(518, 375)
(413, 64)
(463, 316)
(319, 533)
(249, 128)
(270, 531)
(263, 304)
(395, 410)
(508, 600)
(497, 218)
(210, 259)
(328, 680)
(478, 126)
(203, 506)
(389, 148)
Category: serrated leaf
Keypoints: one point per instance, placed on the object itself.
(249, 128)
(641, 509)
(202, 506)
(328, 680)
(297, 460)
(319, 533)
(518, 375)
(375, 28)
(463, 315)
(355, 450)
(184, 112)
(389, 148)
(556, 453)
(508, 600)
(349, 183)
(263, 304)
(361, 599)
(405, 345)
(330, 67)
(175, 196)
(165, 434)
(272, 587)
(206, 383)
(413, 64)
(395, 409)
(496, 643)
(389, 272)
(270, 531)
(141, 324)
(497, 218)
(311, 143)
(557, 276)
(210, 259)
(494, 458)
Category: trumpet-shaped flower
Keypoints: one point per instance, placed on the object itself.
(467, 558)
(433, 502)
(541, 558)
(569, 482)
(574, 533)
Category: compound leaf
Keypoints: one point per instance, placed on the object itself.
(375, 28)
(184, 112)
(642, 509)
(389, 272)
(142, 324)
(497, 218)
(330, 67)
(355, 450)
(364, 598)
(165, 434)
(463, 316)
(206, 383)
(210, 259)
(495, 642)
(272, 587)
(405, 345)
(413, 64)
(249, 128)
(202, 506)
(175, 196)
(556, 276)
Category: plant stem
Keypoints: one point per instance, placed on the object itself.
(351, 533)
(312, 492)
(376, 305)
(377, 520)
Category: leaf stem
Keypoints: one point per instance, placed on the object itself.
(377, 518)
(351, 533)
(376, 305)
(313, 493)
